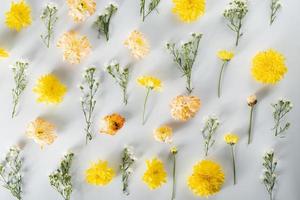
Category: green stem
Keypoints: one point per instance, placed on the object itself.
(233, 163)
(145, 103)
(220, 78)
(174, 177)
(238, 34)
(125, 100)
(189, 85)
(250, 124)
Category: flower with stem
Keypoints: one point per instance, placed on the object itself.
(20, 78)
(269, 177)
(121, 76)
(174, 152)
(211, 124)
(128, 160)
(280, 109)
(89, 87)
(150, 83)
(232, 139)
(10, 172)
(103, 21)
(251, 101)
(49, 17)
(235, 14)
(275, 7)
(225, 56)
(185, 56)
(61, 179)
(144, 12)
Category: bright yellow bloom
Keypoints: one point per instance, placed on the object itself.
(111, 124)
(41, 131)
(207, 178)
(231, 138)
(189, 10)
(137, 44)
(79, 10)
(225, 55)
(150, 82)
(155, 174)
(163, 134)
(50, 89)
(185, 107)
(99, 173)
(3, 53)
(268, 67)
(19, 16)
(75, 46)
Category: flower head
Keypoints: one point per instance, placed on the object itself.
(174, 150)
(231, 138)
(41, 131)
(79, 10)
(150, 82)
(268, 67)
(207, 178)
(3, 53)
(163, 134)
(189, 10)
(50, 89)
(19, 16)
(225, 55)
(99, 173)
(137, 44)
(155, 174)
(252, 100)
(75, 47)
(185, 107)
(111, 124)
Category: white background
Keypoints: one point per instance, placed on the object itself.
(232, 109)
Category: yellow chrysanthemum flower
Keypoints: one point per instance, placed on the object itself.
(150, 82)
(41, 131)
(111, 124)
(225, 55)
(155, 174)
(50, 89)
(99, 173)
(184, 108)
(268, 67)
(231, 138)
(3, 53)
(189, 10)
(137, 44)
(207, 178)
(163, 134)
(79, 10)
(19, 16)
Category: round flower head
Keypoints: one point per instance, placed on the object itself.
(225, 55)
(3, 53)
(49, 89)
(75, 47)
(231, 138)
(163, 134)
(155, 174)
(111, 124)
(252, 100)
(268, 67)
(137, 44)
(189, 10)
(185, 107)
(207, 178)
(19, 16)
(41, 131)
(99, 173)
(150, 82)
(79, 10)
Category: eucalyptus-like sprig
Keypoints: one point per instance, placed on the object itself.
(144, 11)
(10, 172)
(128, 160)
(235, 14)
(280, 109)
(20, 78)
(269, 177)
(49, 17)
(61, 179)
(103, 21)
(89, 88)
(184, 56)
(275, 7)
(211, 124)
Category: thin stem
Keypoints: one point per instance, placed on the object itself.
(233, 163)
(125, 99)
(174, 177)
(145, 103)
(220, 78)
(189, 85)
(250, 124)
(14, 110)
(238, 34)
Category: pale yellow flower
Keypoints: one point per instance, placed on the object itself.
(3, 53)
(111, 124)
(231, 138)
(163, 134)
(185, 107)
(137, 44)
(79, 10)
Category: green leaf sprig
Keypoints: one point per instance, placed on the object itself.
(144, 12)
(128, 160)
(49, 17)
(269, 177)
(211, 124)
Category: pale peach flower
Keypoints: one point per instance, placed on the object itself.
(79, 10)
(137, 44)
(185, 107)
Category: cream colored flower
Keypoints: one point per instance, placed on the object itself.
(137, 44)
(252, 100)
(163, 134)
(185, 107)
(79, 10)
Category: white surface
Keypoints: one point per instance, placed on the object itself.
(231, 108)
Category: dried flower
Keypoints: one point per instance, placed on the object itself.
(121, 76)
(49, 17)
(20, 78)
(137, 44)
(99, 173)
(103, 21)
(163, 134)
(3, 53)
(79, 10)
(89, 87)
(225, 56)
(185, 107)
(280, 109)
(41, 131)
(111, 124)
(189, 10)
(19, 16)
(155, 175)
(49, 89)
(61, 179)
(232, 139)
(75, 47)
(128, 160)
(174, 152)
(207, 178)
(151, 6)
(184, 56)
(10, 172)
(275, 7)
(268, 67)
(211, 124)
(235, 13)
(251, 101)
(269, 177)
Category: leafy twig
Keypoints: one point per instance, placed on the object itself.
(275, 6)
(151, 6)
(211, 125)
(128, 160)
(49, 18)
(280, 109)
(269, 177)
